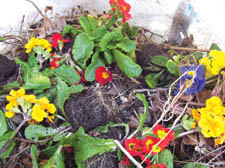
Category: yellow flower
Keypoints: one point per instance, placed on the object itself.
(9, 106)
(51, 118)
(51, 108)
(43, 100)
(220, 140)
(38, 114)
(206, 61)
(30, 98)
(9, 114)
(211, 126)
(38, 42)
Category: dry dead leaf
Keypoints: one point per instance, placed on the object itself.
(48, 8)
(48, 25)
(190, 140)
(202, 140)
(134, 122)
(60, 22)
(204, 95)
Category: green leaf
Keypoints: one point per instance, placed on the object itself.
(56, 161)
(172, 67)
(127, 45)
(96, 61)
(100, 32)
(131, 32)
(166, 157)
(93, 22)
(3, 140)
(85, 24)
(82, 49)
(34, 156)
(127, 65)
(110, 37)
(9, 86)
(198, 55)
(63, 92)
(2, 39)
(194, 165)
(108, 57)
(35, 132)
(68, 74)
(160, 60)
(70, 29)
(32, 61)
(86, 146)
(38, 82)
(214, 46)
(48, 72)
(3, 123)
(151, 80)
(26, 69)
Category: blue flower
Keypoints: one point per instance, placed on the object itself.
(193, 79)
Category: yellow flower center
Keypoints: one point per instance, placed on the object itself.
(131, 146)
(156, 149)
(188, 83)
(124, 8)
(161, 133)
(149, 142)
(105, 75)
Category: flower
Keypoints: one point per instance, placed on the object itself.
(58, 40)
(214, 63)
(125, 161)
(161, 133)
(124, 7)
(160, 165)
(196, 115)
(127, 16)
(149, 144)
(55, 63)
(37, 42)
(192, 79)
(9, 114)
(107, 15)
(147, 160)
(51, 108)
(103, 75)
(38, 113)
(133, 146)
(220, 140)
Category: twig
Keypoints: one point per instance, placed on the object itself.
(216, 156)
(127, 154)
(187, 133)
(187, 49)
(16, 131)
(39, 11)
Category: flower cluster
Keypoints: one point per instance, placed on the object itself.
(193, 79)
(211, 119)
(34, 42)
(38, 109)
(103, 75)
(121, 7)
(142, 147)
(214, 63)
(54, 61)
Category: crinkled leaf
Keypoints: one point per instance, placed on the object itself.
(172, 67)
(131, 32)
(70, 29)
(48, 72)
(34, 156)
(151, 80)
(110, 37)
(8, 86)
(68, 74)
(42, 51)
(26, 69)
(63, 92)
(127, 45)
(3, 123)
(86, 146)
(160, 60)
(194, 165)
(38, 82)
(214, 46)
(82, 49)
(96, 61)
(198, 55)
(35, 132)
(127, 65)
(56, 161)
(3, 140)
(166, 157)
(85, 24)
(100, 32)
(93, 22)
(32, 61)
(108, 57)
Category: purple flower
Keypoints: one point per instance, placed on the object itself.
(193, 79)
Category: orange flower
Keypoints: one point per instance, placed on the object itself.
(161, 133)
(103, 75)
(133, 146)
(196, 115)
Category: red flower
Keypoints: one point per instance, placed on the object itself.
(68, 149)
(126, 16)
(133, 146)
(125, 161)
(157, 166)
(113, 2)
(149, 144)
(147, 161)
(103, 75)
(124, 7)
(55, 62)
(57, 39)
(107, 15)
(113, 9)
(161, 133)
